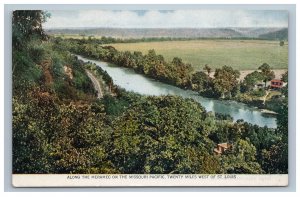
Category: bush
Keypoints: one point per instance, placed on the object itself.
(25, 71)
(258, 93)
(37, 52)
(281, 43)
(57, 67)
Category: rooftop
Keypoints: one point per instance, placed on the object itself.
(225, 145)
(276, 80)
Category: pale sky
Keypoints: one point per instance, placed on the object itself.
(167, 18)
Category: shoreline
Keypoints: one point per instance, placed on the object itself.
(262, 110)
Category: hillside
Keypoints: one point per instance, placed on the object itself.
(59, 126)
(276, 35)
(168, 32)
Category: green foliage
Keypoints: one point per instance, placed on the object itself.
(103, 75)
(36, 51)
(56, 138)
(152, 65)
(82, 81)
(30, 146)
(275, 104)
(57, 66)
(27, 25)
(225, 79)
(275, 160)
(285, 89)
(148, 142)
(245, 150)
(58, 128)
(267, 73)
(281, 43)
(242, 160)
(285, 77)
(25, 71)
(146, 135)
(200, 81)
(220, 135)
(251, 80)
(258, 92)
(115, 106)
(225, 83)
(282, 120)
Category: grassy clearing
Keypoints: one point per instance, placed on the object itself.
(240, 54)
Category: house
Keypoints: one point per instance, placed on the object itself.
(260, 85)
(276, 83)
(221, 148)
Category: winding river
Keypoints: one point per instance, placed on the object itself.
(131, 81)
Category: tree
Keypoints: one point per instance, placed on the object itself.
(200, 81)
(282, 119)
(181, 72)
(267, 73)
(163, 137)
(275, 160)
(27, 35)
(285, 77)
(177, 61)
(251, 79)
(225, 80)
(207, 69)
(285, 89)
(150, 61)
(242, 160)
(26, 25)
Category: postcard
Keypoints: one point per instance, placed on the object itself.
(149, 97)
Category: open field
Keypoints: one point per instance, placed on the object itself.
(75, 36)
(240, 54)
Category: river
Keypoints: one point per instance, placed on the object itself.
(131, 81)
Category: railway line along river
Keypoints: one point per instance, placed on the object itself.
(131, 81)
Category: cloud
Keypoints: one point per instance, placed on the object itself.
(167, 19)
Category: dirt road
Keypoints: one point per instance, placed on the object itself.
(95, 83)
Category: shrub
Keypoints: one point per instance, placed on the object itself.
(258, 93)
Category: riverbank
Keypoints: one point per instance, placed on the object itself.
(256, 103)
(176, 73)
(268, 112)
(131, 81)
(243, 73)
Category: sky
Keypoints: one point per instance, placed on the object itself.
(166, 18)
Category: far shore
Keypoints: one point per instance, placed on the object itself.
(244, 73)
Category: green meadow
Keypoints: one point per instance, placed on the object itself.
(239, 54)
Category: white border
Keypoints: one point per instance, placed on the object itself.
(146, 180)
(133, 2)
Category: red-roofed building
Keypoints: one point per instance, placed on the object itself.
(276, 83)
(222, 148)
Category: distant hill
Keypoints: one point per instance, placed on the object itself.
(255, 32)
(170, 32)
(276, 35)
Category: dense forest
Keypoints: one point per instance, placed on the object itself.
(59, 125)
